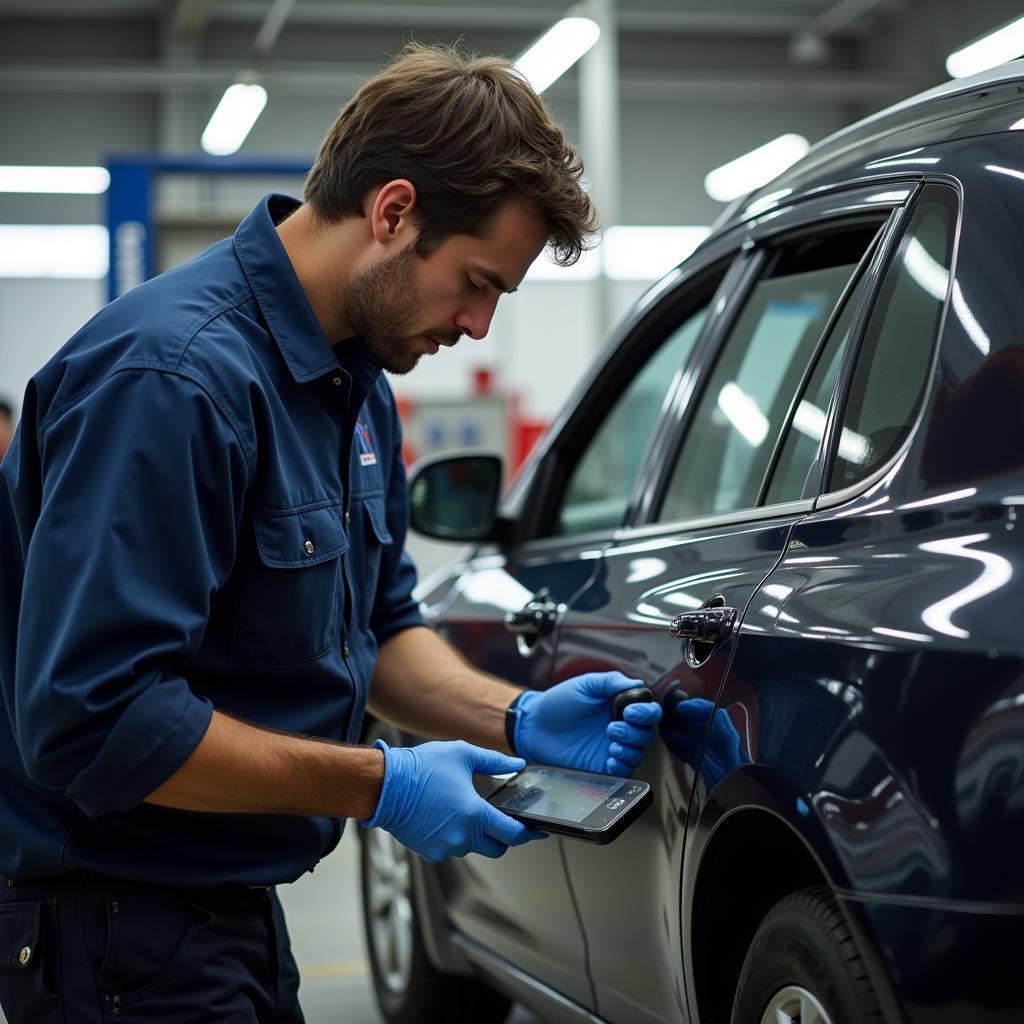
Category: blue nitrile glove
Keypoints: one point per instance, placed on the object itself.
(429, 805)
(571, 725)
(686, 728)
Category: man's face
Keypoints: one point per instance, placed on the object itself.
(405, 307)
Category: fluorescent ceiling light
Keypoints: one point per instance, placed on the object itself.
(88, 181)
(754, 169)
(557, 50)
(996, 48)
(627, 254)
(647, 253)
(235, 115)
(54, 250)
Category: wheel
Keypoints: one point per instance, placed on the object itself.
(803, 967)
(409, 989)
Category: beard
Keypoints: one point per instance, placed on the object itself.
(382, 304)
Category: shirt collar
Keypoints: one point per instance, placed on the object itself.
(272, 278)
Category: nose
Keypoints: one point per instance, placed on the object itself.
(475, 320)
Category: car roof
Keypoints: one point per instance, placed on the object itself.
(987, 102)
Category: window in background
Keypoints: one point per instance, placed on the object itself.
(598, 491)
(807, 427)
(743, 407)
(894, 359)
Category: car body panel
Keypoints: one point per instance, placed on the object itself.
(622, 625)
(870, 704)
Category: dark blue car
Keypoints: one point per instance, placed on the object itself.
(786, 498)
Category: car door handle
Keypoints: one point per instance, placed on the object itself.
(539, 616)
(704, 626)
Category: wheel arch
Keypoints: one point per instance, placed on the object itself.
(754, 841)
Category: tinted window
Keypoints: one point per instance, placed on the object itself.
(893, 364)
(598, 491)
(744, 405)
(808, 424)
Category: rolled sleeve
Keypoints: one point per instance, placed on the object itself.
(142, 488)
(394, 607)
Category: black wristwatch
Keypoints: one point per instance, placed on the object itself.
(510, 722)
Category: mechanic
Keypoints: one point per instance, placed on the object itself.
(202, 522)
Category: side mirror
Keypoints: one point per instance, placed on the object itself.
(455, 497)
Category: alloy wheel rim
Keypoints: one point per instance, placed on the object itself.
(794, 1005)
(389, 908)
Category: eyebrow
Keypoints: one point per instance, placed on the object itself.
(493, 278)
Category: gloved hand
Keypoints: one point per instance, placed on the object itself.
(571, 725)
(686, 734)
(429, 805)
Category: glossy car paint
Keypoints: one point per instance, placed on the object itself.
(875, 686)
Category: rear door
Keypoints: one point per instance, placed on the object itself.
(707, 533)
(520, 908)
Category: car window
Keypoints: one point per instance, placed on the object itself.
(598, 491)
(894, 359)
(807, 427)
(726, 452)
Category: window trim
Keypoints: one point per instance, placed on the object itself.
(828, 450)
(746, 245)
(680, 402)
(881, 243)
(840, 215)
(585, 407)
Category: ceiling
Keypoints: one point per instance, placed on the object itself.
(799, 51)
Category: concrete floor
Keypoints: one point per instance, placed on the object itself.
(327, 939)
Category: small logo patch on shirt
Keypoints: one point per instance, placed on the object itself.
(367, 456)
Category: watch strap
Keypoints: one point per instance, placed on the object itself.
(511, 714)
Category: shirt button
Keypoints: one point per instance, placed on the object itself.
(25, 955)
(346, 650)
(309, 547)
(336, 382)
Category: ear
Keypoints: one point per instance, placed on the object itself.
(390, 212)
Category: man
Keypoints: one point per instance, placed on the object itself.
(202, 568)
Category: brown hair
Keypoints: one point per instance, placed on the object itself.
(468, 132)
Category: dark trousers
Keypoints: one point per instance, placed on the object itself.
(87, 948)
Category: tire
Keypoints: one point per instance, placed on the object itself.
(803, 965)
(409, 989)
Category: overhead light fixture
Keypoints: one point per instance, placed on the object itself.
(626, 253)
(754, 169)
(233, 119)
(86, 181)
(996, 48)
(557, 50)
(54, 250)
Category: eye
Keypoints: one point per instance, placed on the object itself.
(473, 286)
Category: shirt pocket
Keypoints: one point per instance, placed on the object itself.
(289, 605)
(375, 536)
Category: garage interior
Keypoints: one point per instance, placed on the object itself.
(671, 91)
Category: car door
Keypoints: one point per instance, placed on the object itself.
(889, 634)
(705, 535)
(505, 614)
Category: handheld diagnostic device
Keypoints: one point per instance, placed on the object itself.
(581, 805)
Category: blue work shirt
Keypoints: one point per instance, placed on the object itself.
(204, 507)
